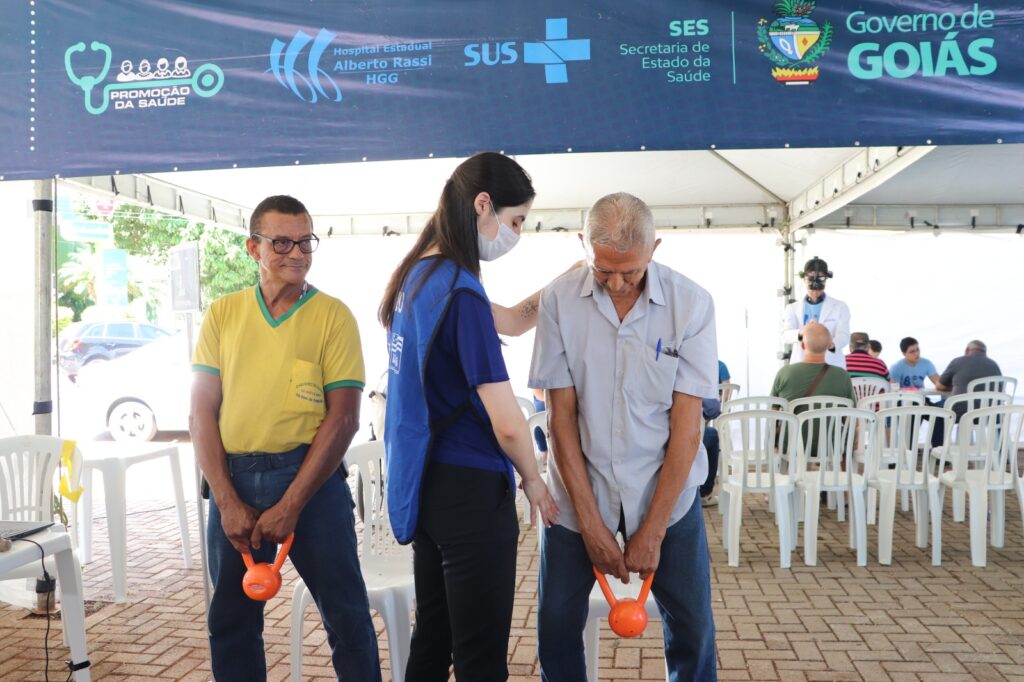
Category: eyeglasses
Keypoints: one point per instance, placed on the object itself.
(284, 246)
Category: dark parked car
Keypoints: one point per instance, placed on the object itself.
(102, 341)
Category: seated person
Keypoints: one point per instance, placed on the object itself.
(912, 370)
(710, 409)
(973, 364)
(538, 433)
(859, 362)
(812, 376)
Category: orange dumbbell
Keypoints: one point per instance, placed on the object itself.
(628, 616)
(262, 581)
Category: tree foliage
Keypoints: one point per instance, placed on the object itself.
(224, 264)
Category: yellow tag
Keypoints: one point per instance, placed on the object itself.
(65, 479)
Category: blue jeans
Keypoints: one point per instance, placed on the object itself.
(681, 588)
(324, 554)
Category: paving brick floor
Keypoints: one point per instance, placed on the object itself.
(835, 621)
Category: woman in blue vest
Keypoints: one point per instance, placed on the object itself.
(454, 431)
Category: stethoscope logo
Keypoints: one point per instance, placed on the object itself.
(205, 81)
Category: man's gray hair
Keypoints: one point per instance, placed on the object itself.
(978, 346)
(620, 221)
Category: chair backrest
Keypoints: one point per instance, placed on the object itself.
(818, 402)
(370, 461)
(826, 440)
(727, 391)
(865, 386)
(975, 401)
(903, 436)
(886, 401)
(997, 384)
(526, 405)
(991, 435)
(538, 421)
(753, 443)
(27, 467)
(754, 403)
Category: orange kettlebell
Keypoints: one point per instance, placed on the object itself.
(628, 616)
(262, 581)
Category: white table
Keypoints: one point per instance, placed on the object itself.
(57, 543)
(112, 460)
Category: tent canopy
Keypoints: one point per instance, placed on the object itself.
(738, 188)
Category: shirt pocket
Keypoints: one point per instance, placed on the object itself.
(305, 389)
(651, 381)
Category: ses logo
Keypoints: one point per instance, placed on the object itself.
(553, 52)
(141, 86)
(313, 84)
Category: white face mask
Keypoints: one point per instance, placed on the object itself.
(503, 242)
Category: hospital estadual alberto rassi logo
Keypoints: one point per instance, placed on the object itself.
(150, 83)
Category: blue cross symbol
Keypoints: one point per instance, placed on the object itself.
(556, 50)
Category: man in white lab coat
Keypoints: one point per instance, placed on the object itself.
(827, 310)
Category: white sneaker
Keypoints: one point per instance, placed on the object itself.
(709, 501)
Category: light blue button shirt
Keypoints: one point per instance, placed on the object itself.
(624, 384)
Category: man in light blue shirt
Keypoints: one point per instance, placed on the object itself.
(912, 370)
(626, 350)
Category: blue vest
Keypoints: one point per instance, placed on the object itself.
(408, 432)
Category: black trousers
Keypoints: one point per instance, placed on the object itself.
(464, 560)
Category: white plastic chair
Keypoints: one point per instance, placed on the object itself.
(527, 406)
(999, 384)
(763, 402)
(798, 406)
(990, 437)
(726, 391)
(818, 402)
(386, 566)
(886, 401)
(865, 386)
(28, 468)
(895, 440)
(969, 402)
(741, 405)
(826, 464)
(748, 440)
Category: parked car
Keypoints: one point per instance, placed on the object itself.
(103, 341)
(141, 393)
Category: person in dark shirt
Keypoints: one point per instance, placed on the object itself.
(973, 364)
(454, 431)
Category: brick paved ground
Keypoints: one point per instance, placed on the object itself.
(908, 621)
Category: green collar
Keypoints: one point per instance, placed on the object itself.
(279, 321)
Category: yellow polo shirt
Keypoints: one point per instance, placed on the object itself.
(274, 373)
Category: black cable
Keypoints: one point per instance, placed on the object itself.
(46, 577)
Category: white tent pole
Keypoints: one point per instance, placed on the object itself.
(42, 208)
(788, 283)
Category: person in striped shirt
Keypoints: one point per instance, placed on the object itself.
(860, 363)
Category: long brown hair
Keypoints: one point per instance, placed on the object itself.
(453, 226)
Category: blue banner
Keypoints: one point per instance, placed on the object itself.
(96, 86)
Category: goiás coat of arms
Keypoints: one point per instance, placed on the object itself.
(793, 42)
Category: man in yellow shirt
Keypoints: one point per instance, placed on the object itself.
(277, 379)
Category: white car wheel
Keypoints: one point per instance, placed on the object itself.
(132, 421)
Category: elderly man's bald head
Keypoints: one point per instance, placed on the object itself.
(817, 338)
